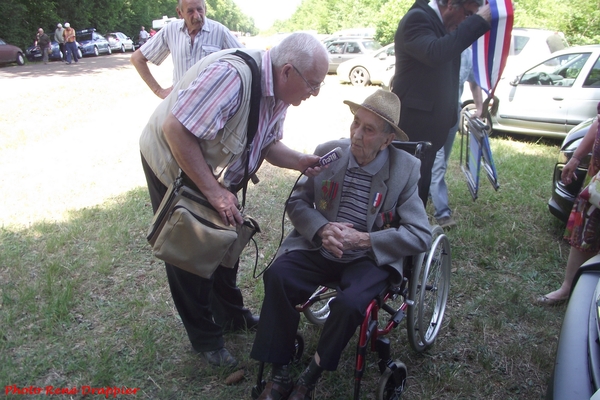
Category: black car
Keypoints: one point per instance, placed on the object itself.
(563, 196)
(576, 372)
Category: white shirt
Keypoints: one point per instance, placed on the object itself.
(174, 39)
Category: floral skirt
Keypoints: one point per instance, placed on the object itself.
(583, 226)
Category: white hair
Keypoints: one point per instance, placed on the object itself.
(299, 49)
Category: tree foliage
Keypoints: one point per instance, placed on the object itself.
(19, 19)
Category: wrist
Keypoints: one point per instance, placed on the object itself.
(574, 157)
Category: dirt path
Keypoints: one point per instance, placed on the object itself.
(69, 133)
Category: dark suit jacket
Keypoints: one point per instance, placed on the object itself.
(397, 184)
(427, 69)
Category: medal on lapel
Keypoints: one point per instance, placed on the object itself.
(329, 190)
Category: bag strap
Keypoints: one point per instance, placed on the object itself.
(255, 96)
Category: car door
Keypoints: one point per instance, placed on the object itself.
(538, 101)
(586, 92)
(336, 53)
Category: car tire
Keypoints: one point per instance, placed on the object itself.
(96, 52)
(359, 76)
(122, 48)
(20, 59)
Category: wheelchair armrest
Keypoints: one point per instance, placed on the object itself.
(417, 149)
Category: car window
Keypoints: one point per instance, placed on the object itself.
(520, 43)
(336, 48)
(353, 48)
(371, 45)
(593, 78)
(84, 36)
(557, 71)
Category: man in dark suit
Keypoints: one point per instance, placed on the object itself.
(428, 43)
(354, 223)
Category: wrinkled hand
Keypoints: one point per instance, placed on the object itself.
(339, 236)
(309, 165)
(227, 205)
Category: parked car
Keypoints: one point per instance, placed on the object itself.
(118, 41)
(10, 54)
(345, 49)
(33, 53)
(576, 372)
(552, 97)
(92, 43)
(371, 68)
(530, 46)
(563, 196)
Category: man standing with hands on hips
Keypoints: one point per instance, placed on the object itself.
(188, 40)
(429, 41)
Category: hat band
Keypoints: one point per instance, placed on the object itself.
(384, 115)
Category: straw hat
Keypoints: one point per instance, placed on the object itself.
(384, 104)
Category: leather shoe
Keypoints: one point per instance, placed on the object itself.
(275, 391)
(548, 302)
(219, 358)
(301, 392)
(248, 322)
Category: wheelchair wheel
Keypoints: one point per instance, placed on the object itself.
(391, 383)
(421, 291)
(436, 281)
(318, 312)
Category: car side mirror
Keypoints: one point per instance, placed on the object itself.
(515, 80)
(383, 56)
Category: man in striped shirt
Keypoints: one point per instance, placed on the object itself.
(199, 128)
(188, 40)
(354, 223)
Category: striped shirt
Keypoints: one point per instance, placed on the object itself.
(355, 202)
(174, 39)
(206, 105)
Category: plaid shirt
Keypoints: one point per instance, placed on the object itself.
(213, 98)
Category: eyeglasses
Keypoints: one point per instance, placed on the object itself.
(312, 88)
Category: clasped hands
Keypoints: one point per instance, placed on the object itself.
(339, 236)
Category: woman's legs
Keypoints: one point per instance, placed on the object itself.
(575, 260)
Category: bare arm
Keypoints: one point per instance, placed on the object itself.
(141, 65)
(189, 157)
(586, 145)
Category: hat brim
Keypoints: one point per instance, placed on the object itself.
(400, 135)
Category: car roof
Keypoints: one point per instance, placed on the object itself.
(575, 49)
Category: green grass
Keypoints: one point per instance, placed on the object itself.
(83, 302)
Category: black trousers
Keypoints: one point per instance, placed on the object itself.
(204, 305)
(427, 161)
(291, 280)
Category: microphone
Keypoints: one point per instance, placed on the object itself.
(330, 157)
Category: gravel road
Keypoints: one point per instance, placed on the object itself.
(69, 133)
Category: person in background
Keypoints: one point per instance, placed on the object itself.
(201, 127)
(428, 43)
(143, 36)
(188, 40)
(354, 223)
(584, 222)
(152, 32)
(43, 42)
(438, 189)
(70, 43)
(60, 39)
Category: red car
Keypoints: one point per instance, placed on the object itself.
(10, 54)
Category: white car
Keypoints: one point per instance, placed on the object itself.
(376, 68)
(120, 42)
(551, 97)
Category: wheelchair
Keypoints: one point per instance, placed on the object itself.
(422, 296)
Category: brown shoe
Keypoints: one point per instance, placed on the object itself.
(275, 391)
(301, 392)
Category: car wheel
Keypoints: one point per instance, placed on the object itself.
(96, 52)
(359, 76)
(122, 48)
(20, 59)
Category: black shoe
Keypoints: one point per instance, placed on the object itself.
(219, 358)
(247, 323)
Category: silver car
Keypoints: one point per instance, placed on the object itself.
(553, 96)
(344, 49)
(120, 42)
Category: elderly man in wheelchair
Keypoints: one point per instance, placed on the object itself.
(354, 224)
